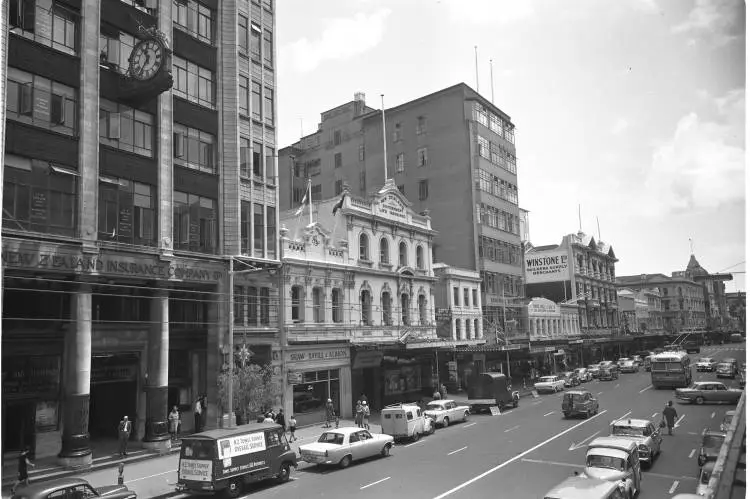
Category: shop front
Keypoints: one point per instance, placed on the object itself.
(314, 375)
(367, 372)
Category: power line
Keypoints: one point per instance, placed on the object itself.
(731, 266)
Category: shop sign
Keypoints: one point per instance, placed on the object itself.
(294, 378)
(443, 314)
(108, 265)
(542, 306)
(29, 375)
(112, 373)
(391, 206)
(547, 266)
(507, 348)
(320, 354)
(367, 359)
(575, 342)
(538, 349)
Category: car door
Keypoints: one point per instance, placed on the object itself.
(655, 436)
(356, 447)
(711, 393)
(722, 394)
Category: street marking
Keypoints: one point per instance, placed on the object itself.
(469, 425)
(599, 393)
(457, 450)
(617, 385)
(677, 423)
(580, 444)
(513, 428)
(579, 466)
(414, 443)
(654, 414)
(517, 457)
(673, 487)
(692, 453)
(713, 414)
(622, 417)
(150, 476)
(647, 388)
(552, 412)
(375, 483)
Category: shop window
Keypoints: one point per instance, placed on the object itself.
(318, 310)
(384, 253)
(297, 311)
(41, 102)
(194, 223)
(126, 212)
(188, 310)
(405, 309)
(364, 247)
(420, 258)
(336, 305)
(113, 305)
(385, 299)
(422, 302)
(39, 196)
(365, 301)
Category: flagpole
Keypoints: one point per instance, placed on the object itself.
(309, 198)
(385, 154)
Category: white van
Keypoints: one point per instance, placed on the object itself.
(616, 460)
(405, 421)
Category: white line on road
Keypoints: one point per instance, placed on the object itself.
(580, 444)
(599, 393)
(457, 450)
(673, 487)
(150, 476)
(692, 453)
(517, 457)
(375, 483)
(713, 414)
(549, 413)
(617, 385)
(624, 416)
(647, 388)
(677, 423)
(414, 443)
(654, 414)
(469, 425)
(513, 428)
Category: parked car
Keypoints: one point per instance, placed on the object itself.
(445, 412)
(623, 360)
(736, 338)
(71, 487)
(344, 445)
(704, 476)
(584, 374)
(608, 373)
(570, 379)
(706, 364)
(405, 421)
(579, 403)
(708, 391)
(727, 421)
(644, 433)
(638, 359)
(580, 486)
(629, 367)
(725, 370)
(550, 384)
(710, 446)
(594, 370)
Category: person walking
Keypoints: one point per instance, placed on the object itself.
(197, 412)
(269, 418)
(359, 414)
(330, 413)
(124, 430)
(365, 415)
(204, 411)
(436, 394)
(281, 420)
(443, 391)
(174, 422)
(669, 415)
(23, 470)
(292, 428)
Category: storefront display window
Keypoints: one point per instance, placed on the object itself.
(404, 380)
(316, 388)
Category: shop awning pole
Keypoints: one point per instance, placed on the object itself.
(507, 360)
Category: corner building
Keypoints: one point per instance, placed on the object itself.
(121, 212)
(451, 153)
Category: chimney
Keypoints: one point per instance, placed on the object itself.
(359, 103)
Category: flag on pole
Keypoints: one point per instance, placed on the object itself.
(302, 206)
(340, 204)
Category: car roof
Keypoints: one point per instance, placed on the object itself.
(580, 487)
(612, 442)
(635, 423)
(607, 451)
(345, 430)
(231, 432)
(709, 466)
(577, 392)
(400, 406)
(44, 488)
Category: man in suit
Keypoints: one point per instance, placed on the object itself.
(124, 430)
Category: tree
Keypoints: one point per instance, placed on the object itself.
(255, 390)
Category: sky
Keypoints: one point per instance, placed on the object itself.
(633, 110)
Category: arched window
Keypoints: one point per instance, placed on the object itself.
(365, 301)
(336, 305)
(385, 256)
(405, 309)
(297, 311)
(386, 302)
(422, 303)
(318, 310)
(420, 257)
(364, 247)
(468, 329)
(403, 259)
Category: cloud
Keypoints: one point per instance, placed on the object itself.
(716, 19)
(489, 11)
(620, 126)
(341, 39)
(649, 6)
(702, 165)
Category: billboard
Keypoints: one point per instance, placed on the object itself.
(547, 266)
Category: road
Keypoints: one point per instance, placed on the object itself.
(521, 453)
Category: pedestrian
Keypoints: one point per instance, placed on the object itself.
(204, 411)
(174, 422)
(330, 413)
(269, 418)
(436, 394)
(124, 430)
(443, 391)
(198, 411)
(23, 470)
(362, 398)
(359, 414)
(292, 428)
(669, 415)
(281, 420)
(366, 415)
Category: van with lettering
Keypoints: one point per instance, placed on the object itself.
(226, 459)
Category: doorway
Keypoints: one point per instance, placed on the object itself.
(19, 425)
(114, 393)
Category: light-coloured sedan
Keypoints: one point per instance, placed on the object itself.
(344, 445)
(445, 412)
(583, 374)
(644, 433)
(708, 391)
(550, 384)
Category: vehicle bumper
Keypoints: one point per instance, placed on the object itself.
(197, 488)
(316, 459)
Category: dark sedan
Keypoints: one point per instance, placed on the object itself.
(72, 487)
(710, 446)
(708, 391)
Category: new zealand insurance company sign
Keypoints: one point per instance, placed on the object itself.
(547, 267)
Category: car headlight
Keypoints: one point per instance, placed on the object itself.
(643, 448)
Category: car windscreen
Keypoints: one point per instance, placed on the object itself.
(198, 449)
(706, 476)
(547, 379)
(331, 437)
(705, 359)
(666, 366)
(575, 397)
(629, 431)
(434, 407)
(712, 441)
(596, 461)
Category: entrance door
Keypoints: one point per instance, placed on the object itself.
(109, 403)
(18, 425)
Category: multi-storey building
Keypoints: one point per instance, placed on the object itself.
(736, 305)
(121, 212)
(640, 311)
(452, 153)
(359, 304)
(714, 294)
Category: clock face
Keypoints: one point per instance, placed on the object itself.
(146, 59)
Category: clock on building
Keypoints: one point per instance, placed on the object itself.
(146, 59)
(149, 70)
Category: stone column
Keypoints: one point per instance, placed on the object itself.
(157, 432)
(217, 337)
(76, 449)
(345, 392)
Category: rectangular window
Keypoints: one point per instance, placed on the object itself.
(466, 297)
(126, 211)
(258, 160)
(41, 102)
(246, 228)
(361, 152)
(316, 192)
(270, 232)
(245, 157)
(192, 82)
(474, 297)
(268, 106)
(194, 223)
(256, 101)
(424, 191)
(337, 160)
(455, 296)
(267, 48)
(39, 196)
(194, 149)
(420, 125)
(397, 135)
(337, 137)
(483, 147)
(255, 41)
(258, 229)
(422, 156)
(195, 19)
(339, 187)
(48, 23)
(242, 33)
(244, 95)
(400, 162)
(125, 128)
(270, 164)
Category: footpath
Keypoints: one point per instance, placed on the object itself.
(153, 474)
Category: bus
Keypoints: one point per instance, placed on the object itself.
(671, 370)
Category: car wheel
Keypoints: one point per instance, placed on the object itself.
(234, 489)
(699, 400)
(431, 430)
(284, 473)
(345, 462)
(415, 436)
(466, 416)
(387, 450)
(515, 403)
(566, 415)
(446, 422)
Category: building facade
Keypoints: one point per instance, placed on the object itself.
(121, 212)
(736, 305)
(458, 303)
(452, 153)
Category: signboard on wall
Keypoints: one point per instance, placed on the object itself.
(320, 354)
(547, 266)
